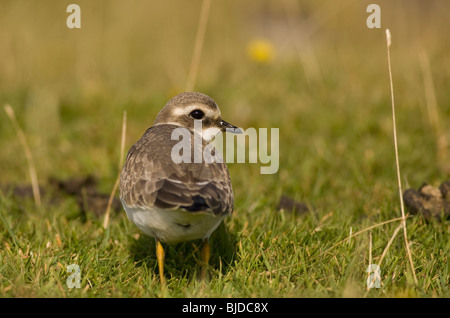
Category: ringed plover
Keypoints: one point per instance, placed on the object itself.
(176, 202)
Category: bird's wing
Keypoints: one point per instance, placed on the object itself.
(151, 178)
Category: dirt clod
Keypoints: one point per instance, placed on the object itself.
(289, 205)
(429, 201)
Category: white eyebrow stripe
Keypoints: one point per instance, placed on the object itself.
(179, 111)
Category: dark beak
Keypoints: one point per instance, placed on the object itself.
(229, 127)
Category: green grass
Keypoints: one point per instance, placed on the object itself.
(271, 255)
(336, 147)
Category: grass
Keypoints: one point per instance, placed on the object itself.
(336, 148)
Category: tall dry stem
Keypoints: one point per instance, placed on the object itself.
(23, 140)
(442, 152)
(198, 46)
(394, 126)
(116, 183)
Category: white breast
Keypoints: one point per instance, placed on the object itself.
(173, 226)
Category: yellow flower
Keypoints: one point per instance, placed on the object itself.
(261, 51)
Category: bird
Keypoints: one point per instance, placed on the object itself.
(175, 200)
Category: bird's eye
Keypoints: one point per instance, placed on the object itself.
(197, 114)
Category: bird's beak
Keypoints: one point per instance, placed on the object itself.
(224, 126)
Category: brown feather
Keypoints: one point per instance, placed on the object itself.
(150, 178)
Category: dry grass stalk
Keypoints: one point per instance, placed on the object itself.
(198, 46)
(370, 253)
(301, 38)
(389, 243)
(357, 233)
(433, 113)
(383, 254)
(23, 140)
(402, 206)
(116, 184)
(343, 241)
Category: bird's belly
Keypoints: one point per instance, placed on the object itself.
(173, 226)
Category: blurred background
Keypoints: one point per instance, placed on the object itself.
(311, 68)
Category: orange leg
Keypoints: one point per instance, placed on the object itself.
(160, 258)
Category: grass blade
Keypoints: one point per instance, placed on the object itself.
(116, 183)
(23, 140)
(402, 206)
(198, 47)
